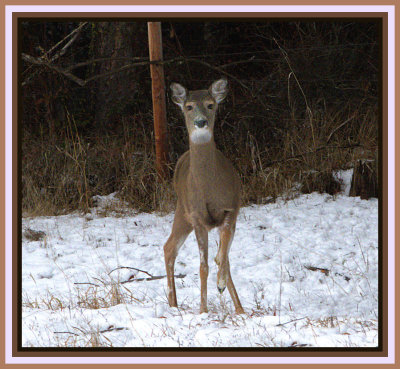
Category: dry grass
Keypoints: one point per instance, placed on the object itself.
(305, 156)
(63, 176)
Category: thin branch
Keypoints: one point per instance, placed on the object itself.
(66, 46)
(101, 60)
(251, 60)
(74, 33)
(138, 270)
(92, 284)
(326, 272)
(82, 83)
(286, 57)
(218, 69)
(231, 76)
(111, 329)
(40, 61)
(151, 278)
(316, 269)
(340, 126)
(76, 30)
(290, 321)
(308, 110)
(75, 334)
(118, 70)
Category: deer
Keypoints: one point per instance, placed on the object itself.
(208, 192)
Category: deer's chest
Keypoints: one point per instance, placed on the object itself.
(207, 203)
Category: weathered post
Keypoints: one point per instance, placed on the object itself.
(158, 92)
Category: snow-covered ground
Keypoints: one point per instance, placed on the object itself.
(306, 271)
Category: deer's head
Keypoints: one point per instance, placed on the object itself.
(199, 108)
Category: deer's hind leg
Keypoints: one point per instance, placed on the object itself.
(224, 278)
(180, 230)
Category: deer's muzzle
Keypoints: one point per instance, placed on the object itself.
(201, 123)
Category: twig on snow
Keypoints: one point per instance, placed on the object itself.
(92, 284)
(131, 268)
(153, 278)
(326, 272)
(290, 321)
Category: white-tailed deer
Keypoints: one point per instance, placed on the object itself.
(208, 190)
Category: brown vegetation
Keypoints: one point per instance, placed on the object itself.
(303, 102)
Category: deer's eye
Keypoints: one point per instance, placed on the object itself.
(189, 107)
(210, 106)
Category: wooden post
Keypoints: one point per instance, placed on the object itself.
(158, 91)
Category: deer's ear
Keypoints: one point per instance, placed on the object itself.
(219, 90)
(179, 94)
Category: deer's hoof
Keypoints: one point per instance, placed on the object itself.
(172, 303)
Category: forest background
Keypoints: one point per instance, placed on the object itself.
(304, 102)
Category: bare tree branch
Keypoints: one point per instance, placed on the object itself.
(144, 62)
(76, 30)
(40, 61)
(69, 43)
(74, 33)
(103, 60)
(218, 69)
(251, 60)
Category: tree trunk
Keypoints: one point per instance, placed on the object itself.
(365, 179)
(116, 93)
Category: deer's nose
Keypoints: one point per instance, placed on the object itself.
(201, 123)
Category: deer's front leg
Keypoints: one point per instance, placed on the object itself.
(202, 240)
(224, 278)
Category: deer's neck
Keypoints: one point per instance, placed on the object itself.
(203, 164)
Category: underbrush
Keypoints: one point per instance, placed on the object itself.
(62, 174)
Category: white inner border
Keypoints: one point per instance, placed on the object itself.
(9, 359)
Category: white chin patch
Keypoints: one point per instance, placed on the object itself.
(200, 135)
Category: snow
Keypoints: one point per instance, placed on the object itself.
(344, 177)
(306, 271)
